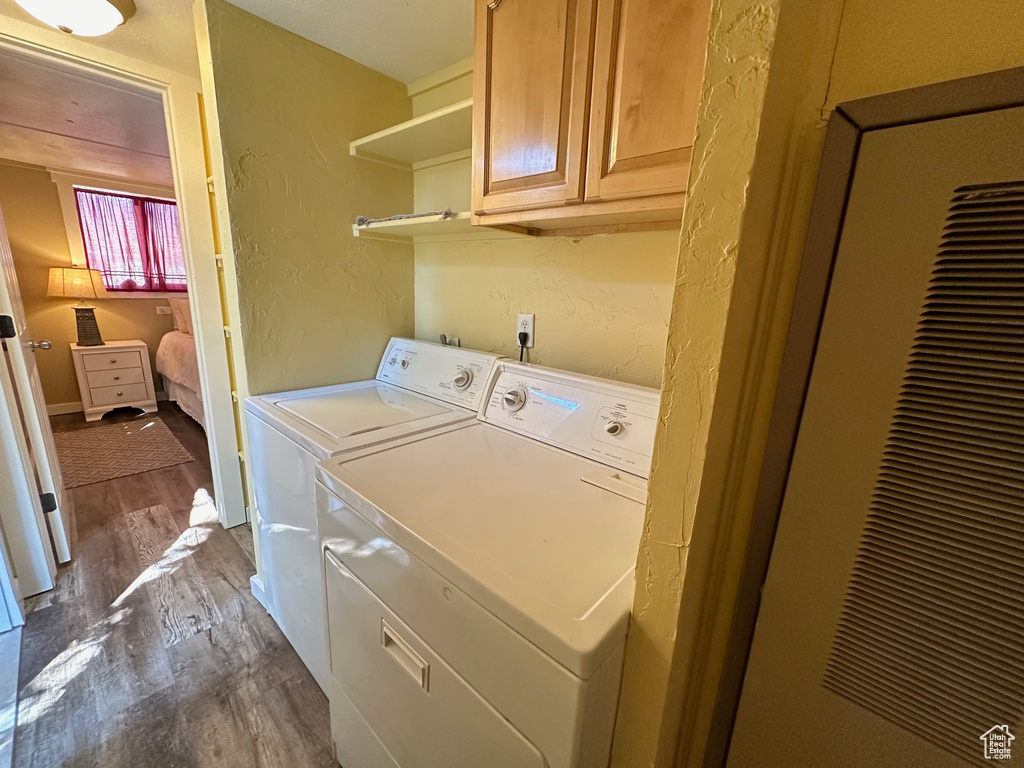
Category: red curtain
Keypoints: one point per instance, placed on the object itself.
(135, 242)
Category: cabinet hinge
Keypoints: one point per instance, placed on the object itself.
(7, 329)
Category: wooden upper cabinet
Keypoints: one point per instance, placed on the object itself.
(531, 92)
(648, 70)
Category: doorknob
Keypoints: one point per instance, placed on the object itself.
(44, 344)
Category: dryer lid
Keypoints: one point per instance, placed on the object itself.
(536, 514)
(543, 539)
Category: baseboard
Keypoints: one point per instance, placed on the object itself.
(256, 585)
(61, 409)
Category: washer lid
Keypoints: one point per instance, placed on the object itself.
(332, 420)
(357, 411)
(542, 538)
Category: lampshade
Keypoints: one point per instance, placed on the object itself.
(76, 283)
(87, 18)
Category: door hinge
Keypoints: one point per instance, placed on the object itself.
(49, 502)
(7, 329)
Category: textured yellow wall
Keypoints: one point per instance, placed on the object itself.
(31, 209)
(317, 305)
(601, 302)
(885, 46)
(771, 80)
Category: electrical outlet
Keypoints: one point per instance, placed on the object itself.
(525, 324)
(163, 310)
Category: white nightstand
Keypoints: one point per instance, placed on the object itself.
(114, 376)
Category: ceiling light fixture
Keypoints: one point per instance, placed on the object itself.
(86, 18)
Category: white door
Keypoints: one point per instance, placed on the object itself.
(22, 525)
(29, 392)
(10, 606)
(891, 625)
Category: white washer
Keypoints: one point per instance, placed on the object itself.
(419, 387)
(478, 608)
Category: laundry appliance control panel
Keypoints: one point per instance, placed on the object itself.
(455, 375)
(609, 422)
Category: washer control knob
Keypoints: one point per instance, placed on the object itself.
(514, 399)
(463, 379)
(392, 360)
(614, 427)
(405, 362)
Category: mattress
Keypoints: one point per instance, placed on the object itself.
(177, 362)
(190, 402)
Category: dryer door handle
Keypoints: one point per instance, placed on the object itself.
(403, 653)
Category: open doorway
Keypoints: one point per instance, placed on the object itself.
(155, 597)
(97, 272)
(126, 137)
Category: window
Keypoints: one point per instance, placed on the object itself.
(133, 241)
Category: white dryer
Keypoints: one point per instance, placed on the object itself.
(419, 387)
(478, 608)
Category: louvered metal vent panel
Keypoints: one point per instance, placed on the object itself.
(931, 635)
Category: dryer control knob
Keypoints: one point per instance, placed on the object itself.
(405, 362)
(392, 360)
(514, 399)
(614, 427)
(463, 379)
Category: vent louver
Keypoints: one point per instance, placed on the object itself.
(932, 629)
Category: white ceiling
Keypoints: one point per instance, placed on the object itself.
(405, 39)
(161, 32)
(68, 120)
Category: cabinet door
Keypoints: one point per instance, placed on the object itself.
(532, 71)
(648, 70)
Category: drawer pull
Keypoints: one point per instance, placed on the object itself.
(113, 361)
(407, 658)
(120, 394)
(117, 378)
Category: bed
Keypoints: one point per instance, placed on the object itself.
(177, 362)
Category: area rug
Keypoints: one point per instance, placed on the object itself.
(95, 454)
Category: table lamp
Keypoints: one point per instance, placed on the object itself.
(80, 283)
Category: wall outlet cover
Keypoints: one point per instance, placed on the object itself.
(525, 323)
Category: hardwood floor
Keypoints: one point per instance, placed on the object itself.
(152, 651)
(10, 643)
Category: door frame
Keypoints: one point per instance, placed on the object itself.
(182, 100)
(847, 124)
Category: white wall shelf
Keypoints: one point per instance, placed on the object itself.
(443, 132)
(430, 228)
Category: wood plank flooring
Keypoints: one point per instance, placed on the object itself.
(10, 644)
(152, 651)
